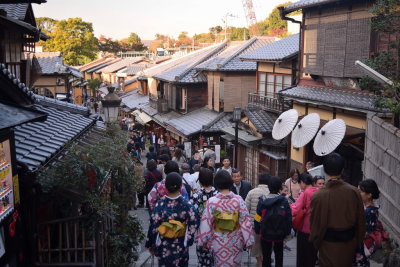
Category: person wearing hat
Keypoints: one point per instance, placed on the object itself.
(225, 226)
(173, 225)
(337, 218)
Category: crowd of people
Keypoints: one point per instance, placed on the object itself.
(190, 201)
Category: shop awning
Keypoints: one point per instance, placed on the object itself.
(142, 117)
(243, 137)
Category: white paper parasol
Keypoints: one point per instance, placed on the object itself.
(305, 130)
(284, 124)
(329, 137)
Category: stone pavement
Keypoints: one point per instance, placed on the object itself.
(289, 258)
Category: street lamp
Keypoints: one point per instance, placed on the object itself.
(110, 105)
(237, 116)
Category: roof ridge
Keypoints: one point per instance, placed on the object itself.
(202, 59)
(17, 83)
(240, 50)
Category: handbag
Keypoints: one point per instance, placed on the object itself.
(298, 220)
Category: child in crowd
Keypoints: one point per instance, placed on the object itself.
(200, 197)
(173, 225)
(225, 225)
(273, 222)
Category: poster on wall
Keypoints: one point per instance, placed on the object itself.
(188, 149)
(6, 180)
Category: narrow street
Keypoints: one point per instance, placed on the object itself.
(289, 257)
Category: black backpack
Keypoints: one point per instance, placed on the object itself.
(273, 226)
(188, 188)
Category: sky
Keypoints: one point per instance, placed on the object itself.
(118, 18)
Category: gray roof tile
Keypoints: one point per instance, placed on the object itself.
(263, 121)
(193, 122)
(228, 59)
(37, 142)
(135, 68)
(182, 70)
(345, 99)
(51, 102)
(119, 65)
(134, 100)
(306, 3)
(16, 11)
(276, 51)
(223, 120)
(51, 62)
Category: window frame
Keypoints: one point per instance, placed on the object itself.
(266, 82)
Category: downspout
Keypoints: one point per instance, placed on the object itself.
(283, 17)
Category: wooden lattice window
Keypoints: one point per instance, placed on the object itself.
(269, 84)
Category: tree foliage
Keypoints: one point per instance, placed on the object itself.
(105, 177)
(94, 85)
(135, 43)
(73, 37)
(386, 23)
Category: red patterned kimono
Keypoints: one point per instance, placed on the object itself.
(228, 246)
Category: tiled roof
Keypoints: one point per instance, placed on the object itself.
(306, 3)
(16, 11)
(19, 87)
(95, 63)
(119, 65)
(51, 63)
(228, 60)
(148, 109)
(51, 102)
(135, 68)
(163, 118)
(263, 121)
(36, 143)
(181, 70)
(345, 99)
(223, 120)
(102, 65)
(12, 116)
(276, 51)
(133, 100)
(193, 122)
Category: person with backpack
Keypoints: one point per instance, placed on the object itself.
(306, 254)
(151, 177)
(273, 222)
(251, 202)
(173, 225)
(225, 226)
(199, 200)
(188, 182)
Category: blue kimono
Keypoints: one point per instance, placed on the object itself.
(172, 251)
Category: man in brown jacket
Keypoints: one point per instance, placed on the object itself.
(337, 219)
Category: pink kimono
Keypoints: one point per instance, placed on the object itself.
(228, 246)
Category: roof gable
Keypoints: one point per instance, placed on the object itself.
(276, 51)
(306, 3)
(228, 60)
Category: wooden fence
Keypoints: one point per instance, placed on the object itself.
(73, 241)
(382, 164)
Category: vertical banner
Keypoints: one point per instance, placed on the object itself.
(188, 149)
(218, 153)
(16, 190)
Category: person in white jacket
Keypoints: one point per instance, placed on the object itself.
(251, 203)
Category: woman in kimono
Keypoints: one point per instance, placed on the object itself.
(375, 234)
(199, 200)
(173, 225)
(225, 226)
